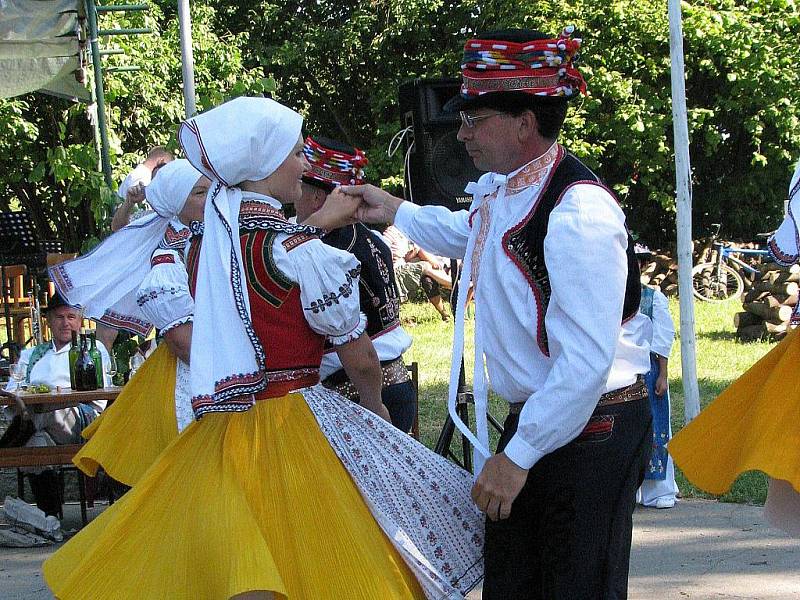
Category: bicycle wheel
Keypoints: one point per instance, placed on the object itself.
(710, 285)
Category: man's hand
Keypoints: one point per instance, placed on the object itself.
(498, 485)
(338, 210)
(377, 206)
(135, 195)
(661, 385)
(379, 409)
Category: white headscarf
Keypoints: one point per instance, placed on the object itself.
(104, 282)
(245, 139)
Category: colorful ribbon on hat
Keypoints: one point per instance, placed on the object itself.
(539, 67)
(333, 167)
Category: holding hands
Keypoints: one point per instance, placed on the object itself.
(348, 204)
(375, 205)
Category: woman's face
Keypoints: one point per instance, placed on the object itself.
(285, 184)
(195, 201)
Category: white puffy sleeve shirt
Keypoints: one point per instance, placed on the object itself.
(328, 280)
(164, 295)
(784, 245)
(590, 351)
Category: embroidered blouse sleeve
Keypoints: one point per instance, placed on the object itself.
(586, 235)
(663, 328)
(784, 245)
(435, 228)
(164, 295)
(328, 280)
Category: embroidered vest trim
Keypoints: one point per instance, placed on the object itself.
(524, 243)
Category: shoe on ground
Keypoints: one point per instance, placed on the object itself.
(665, 503)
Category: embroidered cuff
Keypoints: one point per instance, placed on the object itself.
(351, 335)
(521, 453)
(176, 323)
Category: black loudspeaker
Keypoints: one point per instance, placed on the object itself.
(438, 167)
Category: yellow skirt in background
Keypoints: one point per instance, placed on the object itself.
(238, 502)
(128, 436)
(753, 425)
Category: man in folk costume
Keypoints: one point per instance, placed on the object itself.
(557, 326)
(333, 163)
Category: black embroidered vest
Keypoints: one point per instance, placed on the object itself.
(377, 288)
(525, 244)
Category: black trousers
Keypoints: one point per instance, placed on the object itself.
(569, 533)
(399, 399)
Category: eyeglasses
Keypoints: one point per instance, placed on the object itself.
(469, 120)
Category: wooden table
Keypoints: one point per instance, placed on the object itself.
(59, 397)
(51, 455)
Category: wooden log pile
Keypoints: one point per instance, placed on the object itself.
(663, 272)
(769, 304)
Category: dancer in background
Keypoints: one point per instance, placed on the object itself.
(752, 425)
(333, 163)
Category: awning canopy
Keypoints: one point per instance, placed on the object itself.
(40, 48)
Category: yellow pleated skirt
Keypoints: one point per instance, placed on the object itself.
(238, 502)
(129, 435)
(753, 425)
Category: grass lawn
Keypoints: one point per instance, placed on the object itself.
(720, 360)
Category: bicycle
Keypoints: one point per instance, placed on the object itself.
(720, 279)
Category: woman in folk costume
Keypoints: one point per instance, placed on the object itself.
(154, 406)
(658, 489)
(272, 493)
(752, 425)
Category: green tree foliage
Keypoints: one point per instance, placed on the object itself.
(341, 62)
(48, 157)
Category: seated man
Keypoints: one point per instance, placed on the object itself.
(48, 364)
(417, 270)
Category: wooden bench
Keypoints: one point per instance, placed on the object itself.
(18, 458)
(56, 456)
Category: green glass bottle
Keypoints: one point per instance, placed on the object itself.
(73, 358)
(85, 375)
(97, 359)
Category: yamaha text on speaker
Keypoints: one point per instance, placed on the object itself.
(438, 166)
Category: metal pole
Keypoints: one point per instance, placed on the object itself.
(187, 58)
(97, 66)
(683, 187)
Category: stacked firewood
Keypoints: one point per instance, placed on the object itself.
(662, 271)
(769, 304)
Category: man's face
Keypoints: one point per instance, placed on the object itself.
(311, 200)
(63, 321)
(491, 141)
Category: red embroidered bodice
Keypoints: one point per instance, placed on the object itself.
(293, 349)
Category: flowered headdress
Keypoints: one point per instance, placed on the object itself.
(333, 163)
